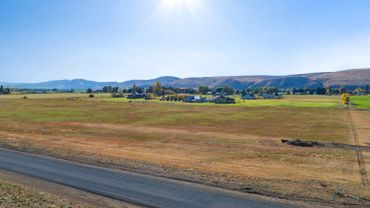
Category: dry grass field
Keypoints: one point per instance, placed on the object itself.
(236, 147)
(361, 121)
(13, 195)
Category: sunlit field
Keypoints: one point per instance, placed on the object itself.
(231, 146)
(288, 101)
(305, 101)
(362, 102)
(135, 92)
(15, 195)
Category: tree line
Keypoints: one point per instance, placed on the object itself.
(158, 89)
(4, 91)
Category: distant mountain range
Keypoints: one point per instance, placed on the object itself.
(82, 84)
(347, 78)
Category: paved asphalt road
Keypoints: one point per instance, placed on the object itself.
(130, 187)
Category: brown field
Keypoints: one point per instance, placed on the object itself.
(235, 147)
(15, 195)
(361, 120)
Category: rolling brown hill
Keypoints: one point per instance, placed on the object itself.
(348, 78)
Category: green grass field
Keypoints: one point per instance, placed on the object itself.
(362, 102)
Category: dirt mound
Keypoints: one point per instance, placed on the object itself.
(301, 143)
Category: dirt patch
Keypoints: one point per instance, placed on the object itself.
(304, 143)
(12, 194)
(360, 157)
(300, 143)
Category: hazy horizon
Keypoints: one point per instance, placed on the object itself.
(122, 40)
(152, 78)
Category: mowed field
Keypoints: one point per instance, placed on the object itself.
(361, 102)
(232, 146)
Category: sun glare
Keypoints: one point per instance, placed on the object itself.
(171, 5)
(170, 12)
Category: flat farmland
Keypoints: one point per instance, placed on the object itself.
(362, 102)
(236, 147)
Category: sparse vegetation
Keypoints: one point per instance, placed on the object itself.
(14, 195)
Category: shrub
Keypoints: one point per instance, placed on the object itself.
(345, 98)
(118, 95)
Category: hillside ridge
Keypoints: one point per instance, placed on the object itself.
(347, 78)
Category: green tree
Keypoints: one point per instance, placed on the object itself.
(228, 90)
(4, 91)
(157, 88)
(134, 88)
(203, 90)
(243, 92)
(107, 89)
(328, 91)
(115, 89)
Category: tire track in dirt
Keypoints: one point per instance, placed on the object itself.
(359, 155)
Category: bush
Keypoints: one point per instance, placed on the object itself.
(91, 96)
(149, 97)
(345, 98)
(118, 95)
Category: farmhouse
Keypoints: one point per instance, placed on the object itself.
(360, 93)
(248, 97)
(270, 96)
(195, 99)
(222, 100)
(136, 95)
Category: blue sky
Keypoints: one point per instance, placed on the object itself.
(117, 40)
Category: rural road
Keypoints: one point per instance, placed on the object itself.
(134, 188)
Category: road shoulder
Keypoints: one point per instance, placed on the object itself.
(81, 197)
